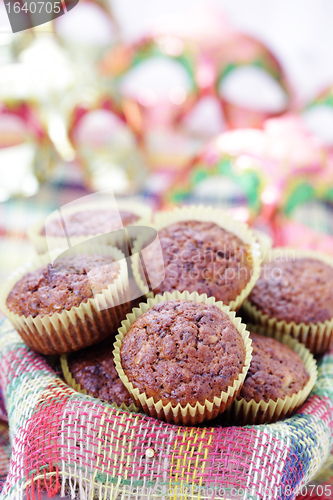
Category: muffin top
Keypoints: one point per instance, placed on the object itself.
(67, 283)
(183, 352)
(298, 290)
(202, 257)
(93, 368)
(276, 371)
(89, 222)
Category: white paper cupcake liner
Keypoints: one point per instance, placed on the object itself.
(265, 243)
(117, 239)
(188, 415)
(244, 412)
(80, 326)
(205, 214)
(77, 387)
(315, 336)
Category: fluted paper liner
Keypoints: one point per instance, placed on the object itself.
(77, 387)
(80, 326)
(203, 214)
(265, 242)
(43, 244)
(315, 336)
(244, 412)
(188, 415)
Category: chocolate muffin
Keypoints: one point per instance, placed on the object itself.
(295, 290)
(276, 371)
(89, 222)
(66, 284)
(202, 257)
(182, 351)
(93, 368)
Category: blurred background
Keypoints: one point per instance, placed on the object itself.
(222, 103)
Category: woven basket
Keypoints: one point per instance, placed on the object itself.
(68, 443)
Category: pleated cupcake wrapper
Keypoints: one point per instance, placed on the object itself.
(188, 415)
(265, 243)
(43, 244)
(80, 326)
(315, 336)
(244, 412)
(202, 214)
(77, 387)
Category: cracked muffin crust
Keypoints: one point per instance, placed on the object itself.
(202, 257)
(88, 222)
(67, 283)
(181, 351)
(298, 290)
(93, 368)
(276, 371)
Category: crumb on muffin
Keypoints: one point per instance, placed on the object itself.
(65, 284)
(276, 371)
